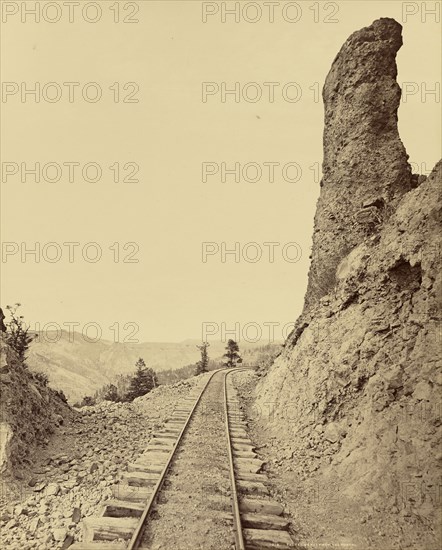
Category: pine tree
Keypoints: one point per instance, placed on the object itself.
(143, 382)
(232, 354)
(203, 363)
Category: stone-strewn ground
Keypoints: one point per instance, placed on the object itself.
(77, 468)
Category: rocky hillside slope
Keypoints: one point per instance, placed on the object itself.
(30, 412)
(355, 395)
(70, 478)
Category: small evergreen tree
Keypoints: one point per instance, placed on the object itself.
(143, 382)
(203, 363)
(232, 354)
(17, 333)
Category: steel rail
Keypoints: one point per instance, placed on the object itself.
(138, 533)
(237, 528)
(137, 536)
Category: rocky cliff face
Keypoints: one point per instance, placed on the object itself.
(365, 168)
(356, 392)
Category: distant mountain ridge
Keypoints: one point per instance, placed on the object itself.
(79, 367)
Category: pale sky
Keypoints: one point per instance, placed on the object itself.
(169, 133)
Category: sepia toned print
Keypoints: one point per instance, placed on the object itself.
(220, 275)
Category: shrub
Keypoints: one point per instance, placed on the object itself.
(42, 377)
(87, 401)
(61, 395)
(110, 393)
(17, 333)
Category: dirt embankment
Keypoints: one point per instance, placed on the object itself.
(30, 412)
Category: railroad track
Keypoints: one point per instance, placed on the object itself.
(253, 522)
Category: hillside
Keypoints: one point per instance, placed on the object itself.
(71, 475)
(79, 367)
(356, 391)
(30, 413)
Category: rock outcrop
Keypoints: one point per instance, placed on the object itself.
(356, 392)
(365, 168)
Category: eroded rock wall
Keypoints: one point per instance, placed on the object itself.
(365, 168)
(356, 393)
